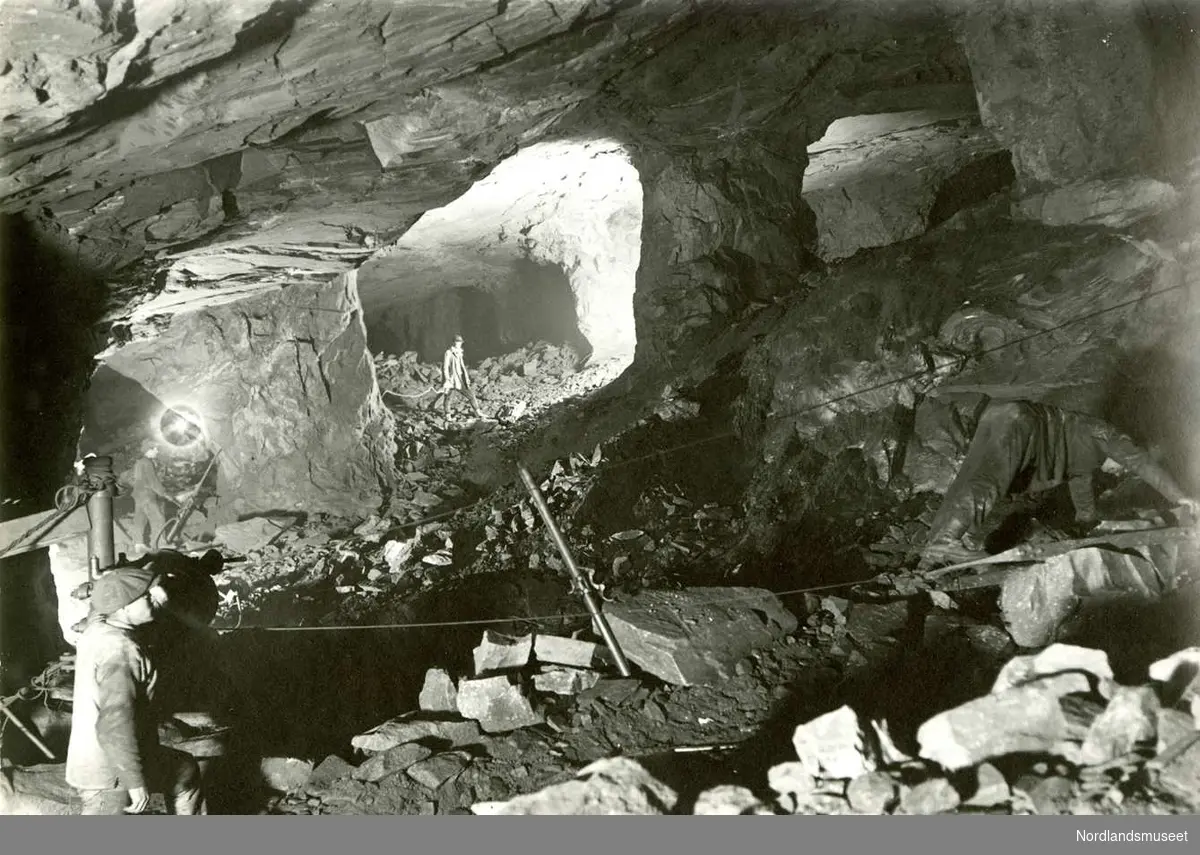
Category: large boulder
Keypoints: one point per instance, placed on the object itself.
(697, 635)
(614, 786)
(285, 387)
(1067, 87)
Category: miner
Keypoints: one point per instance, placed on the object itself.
(114, 757)
(456, 378)
(1027, 447)
(148, 495)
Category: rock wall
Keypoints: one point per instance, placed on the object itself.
(286, 387)
(1067, 87)
(882, 190)
(873, 379)
(1092, 91)
(719, 234)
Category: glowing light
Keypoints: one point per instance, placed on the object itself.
(180, 426)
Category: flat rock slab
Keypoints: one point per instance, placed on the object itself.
(438, 694)
(496, 703)
(1026, 719)
(698, 635)
(1038, 601)
(614, 786)
(498, 652)
(248, 535)
(436, 771)
(878, 628)
(554, 650)
(1065, 668)
(398, 731)
(391, 762)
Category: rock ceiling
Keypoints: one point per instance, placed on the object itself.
(232, 142)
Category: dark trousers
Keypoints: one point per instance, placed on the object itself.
(175, 774)
(1001, 449)
(467, 393)
(148, 511)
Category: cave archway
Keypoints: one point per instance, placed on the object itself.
(544, 249)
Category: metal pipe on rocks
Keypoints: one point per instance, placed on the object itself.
(101, 547)
(589, 596)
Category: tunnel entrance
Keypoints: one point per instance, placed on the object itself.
(533, 302)
(542, 251)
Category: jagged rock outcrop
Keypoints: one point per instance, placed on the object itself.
(286, 388)
(885, 188)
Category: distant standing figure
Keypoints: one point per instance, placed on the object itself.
(456, 378)
(148, 493)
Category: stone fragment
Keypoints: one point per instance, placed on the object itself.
(397, 553)
(1069, 669)
(929, 797)
(449, 734)
(285, 774)
(1052, 796)
(791, 779)
(1179, 676)
(1037, 602)
(1181, 774)
(564, 681)
(836, 745)
(438, 694)
(697, 636)
(889, 754)
(390, 762)
(991, 788)
(498, 652)
(1129, 720)
(872, 793)
(989, 641)
(728, 800)
(436, 771)
(328, 770)
(496, 703)
(876, 629)
(554, 650)
(616, 786)
(1025, 719)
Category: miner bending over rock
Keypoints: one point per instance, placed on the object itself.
(1022, 446)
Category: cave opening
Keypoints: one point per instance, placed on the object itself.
(543, 251)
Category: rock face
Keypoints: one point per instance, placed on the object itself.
(1028, 60)
(1104, 203)
(698, 635)
(881, 190)
(286, 389)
